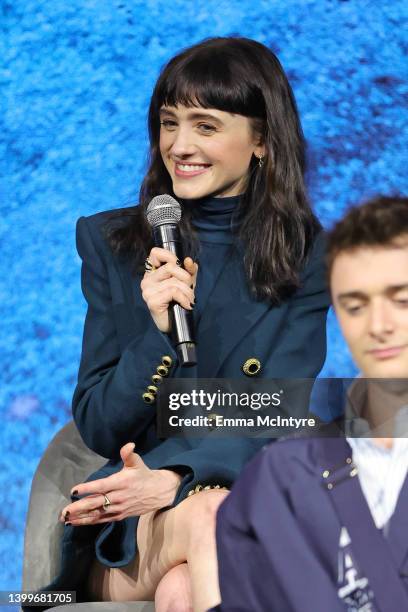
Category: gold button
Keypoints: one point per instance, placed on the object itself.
(251, 367)
(162, 370)
(152, 389)
(149, 398)
(156, 379)
(167, 361)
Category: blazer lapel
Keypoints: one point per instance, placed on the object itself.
(229, 314)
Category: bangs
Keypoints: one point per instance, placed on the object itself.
(212, 80)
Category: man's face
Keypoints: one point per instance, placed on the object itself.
(369, 287)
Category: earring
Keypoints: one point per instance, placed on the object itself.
(260, 161)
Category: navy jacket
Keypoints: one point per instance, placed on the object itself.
(122, 348)
(281, 546)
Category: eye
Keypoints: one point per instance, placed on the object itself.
(206, 128)
(168, 124)
(353, 308)
(401, 298)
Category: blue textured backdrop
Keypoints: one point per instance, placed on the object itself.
(76, 78)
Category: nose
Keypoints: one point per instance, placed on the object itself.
(183, 142)
(380, 321)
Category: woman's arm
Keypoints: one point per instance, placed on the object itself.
(108, 404)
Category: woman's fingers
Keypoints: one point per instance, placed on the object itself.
(126, 451)
(158, 256)
(168, 270)
(93, 506)
(168, 265)
(83, 506)
(95, 516)
(101, 486)
(94, 520)
(170, 282)
(159, 298)
(192, 268)
(130, 458)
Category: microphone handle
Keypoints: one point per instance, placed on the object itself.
(167, 236)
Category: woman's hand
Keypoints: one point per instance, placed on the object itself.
(168, 283)
(133, 491)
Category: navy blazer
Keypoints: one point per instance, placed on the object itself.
(122, 348)
(281, 546)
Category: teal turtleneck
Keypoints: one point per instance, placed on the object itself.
(215, 222)
(214, 218)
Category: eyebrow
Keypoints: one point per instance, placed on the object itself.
(360, 295)
(193, 115)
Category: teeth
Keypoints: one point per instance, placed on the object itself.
(189, 168)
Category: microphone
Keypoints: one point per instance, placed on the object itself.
(164, 214)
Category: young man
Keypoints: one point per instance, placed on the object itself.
(321, 524)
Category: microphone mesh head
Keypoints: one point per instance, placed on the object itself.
(163, 209)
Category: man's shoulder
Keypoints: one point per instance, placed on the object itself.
(295, 453)
(277, 468)
(275, 456)
(291, 448)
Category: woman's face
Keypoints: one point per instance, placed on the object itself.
(206, 151)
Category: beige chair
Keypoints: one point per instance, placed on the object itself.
(66, 462)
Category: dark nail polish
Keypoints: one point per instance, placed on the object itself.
(66, 515)
(74, 492)
(178, 262)
(66, 524)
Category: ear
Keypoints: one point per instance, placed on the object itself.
(258, 136)
(260, 150)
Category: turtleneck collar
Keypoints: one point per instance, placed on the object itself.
(214, 218)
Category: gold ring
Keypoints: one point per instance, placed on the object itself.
(107, 502)
(149, 267)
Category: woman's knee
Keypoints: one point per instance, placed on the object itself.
(203, 513)
(173, 593)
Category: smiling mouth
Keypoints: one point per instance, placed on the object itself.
(387, 353)
(184, 169)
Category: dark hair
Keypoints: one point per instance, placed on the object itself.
(378, 222)
(241, 76)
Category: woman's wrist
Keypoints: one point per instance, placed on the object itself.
(168, 483)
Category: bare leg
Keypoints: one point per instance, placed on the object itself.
(173, 593)
(185, 533)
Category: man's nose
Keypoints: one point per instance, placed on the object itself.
(381, 321)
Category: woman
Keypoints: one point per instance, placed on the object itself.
(226, 142)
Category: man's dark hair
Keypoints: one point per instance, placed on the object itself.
(378, 222)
